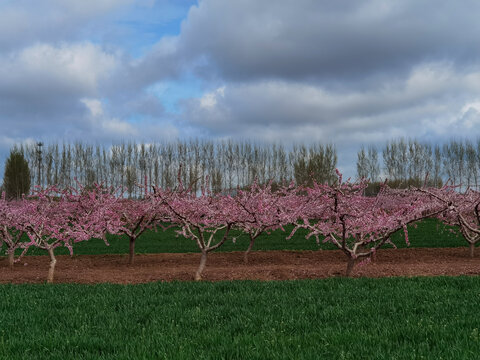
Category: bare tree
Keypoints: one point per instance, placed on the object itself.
(362, 164)
(373, 164)
(471, 165)
(437, 166)
(389, 160)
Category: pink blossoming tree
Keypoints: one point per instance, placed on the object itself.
(461, 210)
(10, 236)
(207, 219)
(53, 218)
(356, 224)
(262, 210)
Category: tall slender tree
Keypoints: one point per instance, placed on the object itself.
(362, 164)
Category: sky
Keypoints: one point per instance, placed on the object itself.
(347, 73)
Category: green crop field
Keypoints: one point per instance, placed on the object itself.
(401, 318)
(338, 318)
(428, 233)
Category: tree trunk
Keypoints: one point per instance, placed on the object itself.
(11, 259)
(51, 270)
(131, 255)
(203, 261)
(250, 246)
(350, 264)
(472, 250)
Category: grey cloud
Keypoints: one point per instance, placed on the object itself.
(429, 100)
(43, 89)
(41, 85)
(145, 104)
(23, 22)
(329, 41)
(164, 61)
(46, 70)
(347, 72)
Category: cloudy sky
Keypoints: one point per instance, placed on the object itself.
(303, 71)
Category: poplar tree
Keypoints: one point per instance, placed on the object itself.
(362, 164)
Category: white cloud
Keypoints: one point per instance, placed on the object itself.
(115, 127)
(100, 124)
(23, 22)
(103, 125)
(87, 7)
(209, 100)
(434, 100)
(94, 106)
(475, 105)
(339, 42)
(468, 118)
(45, 68)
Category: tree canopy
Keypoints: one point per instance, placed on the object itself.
(16, 179)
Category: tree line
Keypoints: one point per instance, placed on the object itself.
(409, 162)
(226, 164)
(236, 164)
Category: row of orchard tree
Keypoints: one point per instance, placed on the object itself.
(227, 164)
(409, 162)
(339, 213)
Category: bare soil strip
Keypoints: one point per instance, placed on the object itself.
(263, 265)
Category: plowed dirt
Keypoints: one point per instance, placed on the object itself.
(263, 265)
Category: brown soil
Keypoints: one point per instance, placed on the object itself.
(263, 265)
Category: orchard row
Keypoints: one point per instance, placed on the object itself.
(356, 224)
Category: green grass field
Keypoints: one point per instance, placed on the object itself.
(401, 318)
(428, 233)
